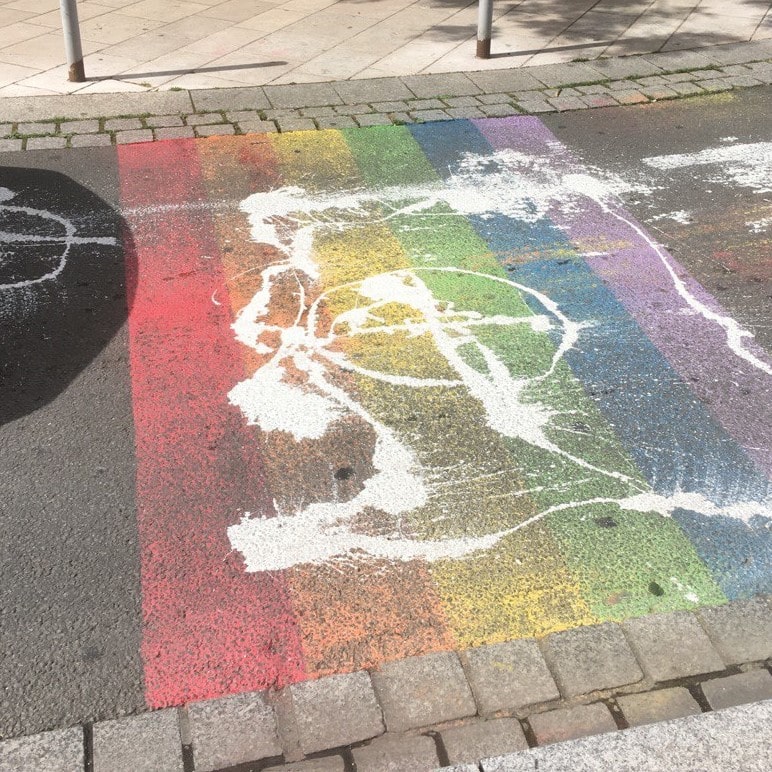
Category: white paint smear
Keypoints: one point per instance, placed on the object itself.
(681, 216)
(307, 403)
(749, 165)
(760, 226)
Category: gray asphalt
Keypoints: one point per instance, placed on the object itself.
(69, 557)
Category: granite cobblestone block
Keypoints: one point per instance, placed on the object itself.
(536, 106)
(600, 100)
(658, 92)
(362, 109)
(77, 127)
(325, 764)
(122, 124)
(35, 128)
(425, 104)
(232, 730)
(422, 691)
(634, 97)
(499, 111)
(257, 127)
(10, 145)
(336, 710)
(660, 705)
(509, 676)
(5, 129)
(397, 754)
(499, 99)
(336, 122)
(567, 103)
(743, 81)
(449, 83)
(163, 121)
(741, 631)
(149, 742)
(324, 111)
(715, 85)
(373, 90)
(672, 645)
(483, 739)
(463, 101)
(221, 130)
(589, 659)
(131, 137)
(91, 140)
(571, 723)
(46, 143)
(429, 115)
(686, 89)
(203, 119)
(753, 686)
(465, 112)
(373, 119)
(57, 751)
(295, 124)
(181, 132)
(390, 107)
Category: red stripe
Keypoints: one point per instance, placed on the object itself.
(209, 627)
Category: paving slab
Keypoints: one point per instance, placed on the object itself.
(302, 95)
(659, 705)
(570, 723)
(733, 739)
(373, 90)
(246, 98)
(447, 84)
(397, 754)
(739, 689)
(482, 739)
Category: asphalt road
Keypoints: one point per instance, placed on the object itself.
(71, 624)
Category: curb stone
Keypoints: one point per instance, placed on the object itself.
(437, 708)
(65, 120)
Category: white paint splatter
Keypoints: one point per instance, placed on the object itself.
(759, 226)
(681, 216)
(749, 165)
(65, 240)
(289, 219)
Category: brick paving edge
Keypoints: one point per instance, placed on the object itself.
(388, 101)
(429, 706)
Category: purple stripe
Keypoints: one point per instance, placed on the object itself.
(736, 392)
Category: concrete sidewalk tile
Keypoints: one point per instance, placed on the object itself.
(79, 127)
(681, 77)
(303, 95)
(503, 81)
(446, 84)
(397, 754)
(625, 67)
(337, 122)
(753, 686)
(465, 101)
(90, 140)
(672, 645)
(661, 705)
(236, 116)
(421, 691)
(133, 137)
(570, 723)
(232, 730)
(324, 764)
(122, 124)
(568, 74)
(596, 88)
(295, 124)
(679, 60)
(738, 53)
(149, 742)
(425, 104)
(57, 751)
(653, 80)
(390, 107)
(536, 106)
(741, 631)
(743, 81)
(373, 119)
(6, 129)
(373, 90)
(509, 676)
(501, 98)
(483, 739)
(257, 127)
(714, 85)
(361, 109)
(46, 143)
(241, 98)
(83, 106)
(163, 121)
(10, 145)
(203, 119)
(181, 132)
(222, 130)
(588, 659)
(335, 710)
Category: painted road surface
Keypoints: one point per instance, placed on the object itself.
(376, 392)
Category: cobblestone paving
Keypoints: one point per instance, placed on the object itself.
(443, 709)
(413, 99)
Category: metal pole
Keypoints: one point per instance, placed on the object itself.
(484, 25)
(72, 45)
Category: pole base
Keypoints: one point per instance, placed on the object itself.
(76, 73)
(484, 49)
